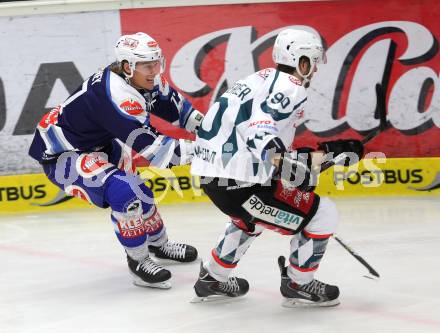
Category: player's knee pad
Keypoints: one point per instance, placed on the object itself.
(122, 190)
(325, 221)
(134, 214)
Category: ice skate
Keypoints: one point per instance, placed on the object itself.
(174, 251)
(147, 273)
(208, 289)
(312, 294)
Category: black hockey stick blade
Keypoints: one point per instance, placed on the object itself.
(282, 265)
(371, 270)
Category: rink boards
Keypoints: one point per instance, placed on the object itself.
(395, 177)
(211, 44)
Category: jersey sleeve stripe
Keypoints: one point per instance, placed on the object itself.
(57, 140)
(277, 73)
(299, 104)
(55, 144)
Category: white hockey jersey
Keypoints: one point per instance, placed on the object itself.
(236, 129)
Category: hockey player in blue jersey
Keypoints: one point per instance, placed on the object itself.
(85, 146)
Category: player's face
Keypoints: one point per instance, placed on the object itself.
(304, 67)
(143, 76)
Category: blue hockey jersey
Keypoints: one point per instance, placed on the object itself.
(106, 107)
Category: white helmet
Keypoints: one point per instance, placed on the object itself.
(290, 45)
(138, 47)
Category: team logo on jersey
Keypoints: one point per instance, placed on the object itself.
(264, 73)
(76, 191)
(132, 107)
(303, 201)
(50, 118)
(92, 164)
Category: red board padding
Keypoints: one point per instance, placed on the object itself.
(417, 133)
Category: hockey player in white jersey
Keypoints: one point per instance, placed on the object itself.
(243, 156)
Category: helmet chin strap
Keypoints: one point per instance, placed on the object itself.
(306, 77)
(132, 69)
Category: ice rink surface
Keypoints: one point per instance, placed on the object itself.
(66, 272)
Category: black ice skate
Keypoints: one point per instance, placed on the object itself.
(174, 251)
(147, 273)
(209, 289)
(312, 294)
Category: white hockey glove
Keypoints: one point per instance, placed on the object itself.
(186, 151)
(194, 120)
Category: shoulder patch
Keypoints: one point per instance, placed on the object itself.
(264, 73)
(295, 80)
(132, 107)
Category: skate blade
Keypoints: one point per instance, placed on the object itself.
(159, 285)
(372, 277)
(214, 299)
(303, 303)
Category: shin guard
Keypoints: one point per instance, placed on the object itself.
(231, 246)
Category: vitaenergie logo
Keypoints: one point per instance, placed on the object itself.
(257, 208)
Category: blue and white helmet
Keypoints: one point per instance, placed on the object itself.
(292, 44)
(136, 48)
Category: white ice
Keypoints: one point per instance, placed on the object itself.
(66, 272)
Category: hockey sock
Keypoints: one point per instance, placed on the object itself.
(231, 246)
(307, 251)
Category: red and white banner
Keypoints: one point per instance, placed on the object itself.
(46, 58)
(390, 42)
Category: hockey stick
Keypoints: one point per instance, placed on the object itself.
(358, 257)
(383, 125)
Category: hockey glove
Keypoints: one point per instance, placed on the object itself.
(295, 169)
(186, 151)
(344, 146)
(189, 118)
